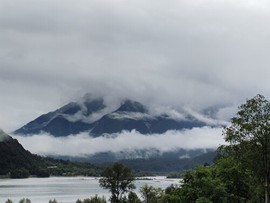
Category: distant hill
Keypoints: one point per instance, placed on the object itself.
(14, 157)
(152, 161)
(166, 164)
(90, 116)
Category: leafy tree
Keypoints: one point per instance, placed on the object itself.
(133, 198)
(201, 184)
(150, 194)
(118, 179)
(171, 195)
(249, 139)
(43, 173)
(20, 173)
(237, 180)
(8, 201)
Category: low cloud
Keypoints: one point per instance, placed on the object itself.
(83, 144)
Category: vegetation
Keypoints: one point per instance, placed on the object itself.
(20, 173)
(170, 162)
(249, 138)
(150, 194)
(118, 179)
(95, 199)
(240, 173)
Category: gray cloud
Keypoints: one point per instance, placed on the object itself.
(83, 144)
(189, 53)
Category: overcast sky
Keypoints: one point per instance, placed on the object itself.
(195, 53)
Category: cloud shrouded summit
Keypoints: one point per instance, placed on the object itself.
(195, 54)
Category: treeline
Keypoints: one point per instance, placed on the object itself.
(47, 167)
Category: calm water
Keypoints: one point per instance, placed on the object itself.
(64, 190)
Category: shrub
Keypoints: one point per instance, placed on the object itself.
(43, 173)
(20, 173)
(94, 199)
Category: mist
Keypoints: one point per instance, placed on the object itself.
(83, 144)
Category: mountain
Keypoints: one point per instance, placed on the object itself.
(13, 157)
(69, 119)
(170, 163)
(133, 115)
(90, 116)
(152, 161)
(96, 118)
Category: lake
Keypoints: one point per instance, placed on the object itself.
(64, 189)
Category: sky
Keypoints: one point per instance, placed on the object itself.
(176, 53)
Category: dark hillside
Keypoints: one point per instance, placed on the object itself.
(14, 157)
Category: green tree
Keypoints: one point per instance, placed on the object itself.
(249, 139)
(171, 195)
(201, 184)
(119, 180)
(237, 180)
(95, 199)
(8, 201)
(150, 194)
(20, 173)
(43, 173)
(133, 198)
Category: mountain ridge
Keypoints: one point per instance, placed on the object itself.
(15, 158)
(90, 116)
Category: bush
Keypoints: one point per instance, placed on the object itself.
(43, 173)
(20, 173)
(94, 199)
(133, 198)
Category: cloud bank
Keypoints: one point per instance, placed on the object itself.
(83, 144)
(173, 53)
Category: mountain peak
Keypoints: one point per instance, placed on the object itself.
(132, 106)
(69, 119)
(92, 116)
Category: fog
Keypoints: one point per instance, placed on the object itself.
(83, 144)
